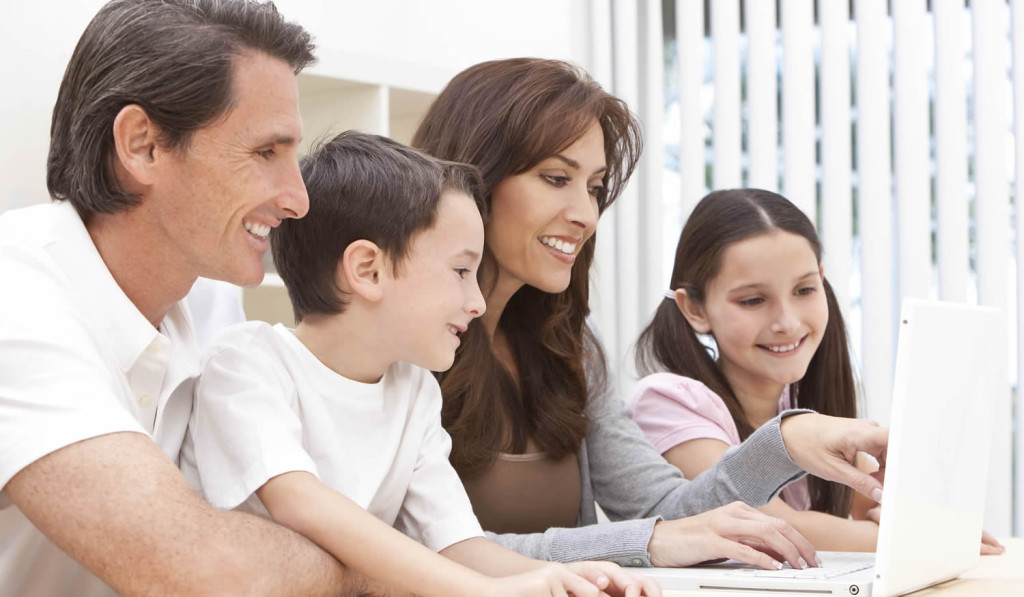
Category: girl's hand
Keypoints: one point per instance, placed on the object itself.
(827, 447)
(990, 546)
(736, 532)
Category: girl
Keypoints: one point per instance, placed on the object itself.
(537, 435)
(748, 273)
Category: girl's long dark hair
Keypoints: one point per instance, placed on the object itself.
(505, 117)
(670, 344)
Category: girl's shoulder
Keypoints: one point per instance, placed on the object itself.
(674, 408)
(678, 389)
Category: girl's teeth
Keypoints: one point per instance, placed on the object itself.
(453, 330)
(786, 348)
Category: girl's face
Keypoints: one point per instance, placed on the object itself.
(540, 218)
(766, 309)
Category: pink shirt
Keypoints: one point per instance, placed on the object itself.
(672, 409)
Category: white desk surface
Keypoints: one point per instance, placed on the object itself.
(994, 576)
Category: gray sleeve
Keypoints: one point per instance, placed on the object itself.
(624, 542)
(632, 480)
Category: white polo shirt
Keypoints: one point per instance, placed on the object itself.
(77, 360)
(266, 406)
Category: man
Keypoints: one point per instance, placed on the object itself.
(173, 154)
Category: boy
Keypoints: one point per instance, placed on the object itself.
(334, 429)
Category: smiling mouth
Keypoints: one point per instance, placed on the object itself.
(569, 248)
(782, 348)
(260, 231)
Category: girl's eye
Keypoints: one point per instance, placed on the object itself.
(556, 180)
(806, 290)
(462, 271)
(751, 302)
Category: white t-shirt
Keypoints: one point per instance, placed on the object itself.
(266, 406)
(77, 360)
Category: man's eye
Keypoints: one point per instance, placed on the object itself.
(266, 153)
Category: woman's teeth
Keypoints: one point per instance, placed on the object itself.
(258, 230)
(453, 330)
(561, 245)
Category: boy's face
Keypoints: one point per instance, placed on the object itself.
(435, 295)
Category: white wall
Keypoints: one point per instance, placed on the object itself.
(412, 44)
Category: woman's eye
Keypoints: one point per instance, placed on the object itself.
(556, 180)
(751, 302)
(806, 290)
(462, 271)
(599, 191)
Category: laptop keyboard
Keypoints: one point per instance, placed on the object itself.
(833, 571)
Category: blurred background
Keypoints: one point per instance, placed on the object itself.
(892, 124)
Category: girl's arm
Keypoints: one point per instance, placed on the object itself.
(825, 531)
(299, 501)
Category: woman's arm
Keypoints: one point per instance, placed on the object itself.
(825, 531)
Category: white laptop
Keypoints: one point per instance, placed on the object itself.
(950, 371)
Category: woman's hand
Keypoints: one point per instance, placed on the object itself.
(580, 579)
(827, 447)
(736, 532)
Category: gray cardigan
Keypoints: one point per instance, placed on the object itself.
(635, 486)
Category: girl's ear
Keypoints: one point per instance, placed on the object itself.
(362, 270)
(693, 312)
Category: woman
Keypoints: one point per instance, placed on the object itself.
(537, 436)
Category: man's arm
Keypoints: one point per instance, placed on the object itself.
(119, 507)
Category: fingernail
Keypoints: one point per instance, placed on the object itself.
(803, 563)
(817, 560)
(876, 494)
(778, 565)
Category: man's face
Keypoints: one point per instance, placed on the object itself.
(216, 201)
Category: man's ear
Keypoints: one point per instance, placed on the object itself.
(135, 140)
(693, 312)
(362, 267)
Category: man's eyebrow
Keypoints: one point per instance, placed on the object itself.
(279, 139)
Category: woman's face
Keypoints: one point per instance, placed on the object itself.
(540, 218)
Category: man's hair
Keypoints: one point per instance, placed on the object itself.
(174, 59)
(361, 187)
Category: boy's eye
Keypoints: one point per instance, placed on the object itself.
(556, 180)
(751, 302)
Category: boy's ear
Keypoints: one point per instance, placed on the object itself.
(362, 269)
(135, 140)
(693, 312)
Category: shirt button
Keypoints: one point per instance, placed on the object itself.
(637, 562)
(144, 399)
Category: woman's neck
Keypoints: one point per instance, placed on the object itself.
(498, 291)
(758, 397)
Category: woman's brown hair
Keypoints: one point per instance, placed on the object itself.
(669, 343)
(505, 117)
